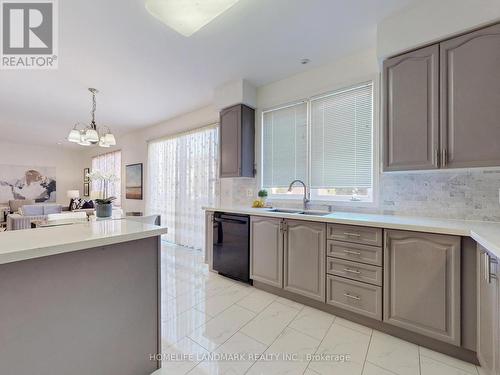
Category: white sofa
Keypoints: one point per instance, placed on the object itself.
(26, 214)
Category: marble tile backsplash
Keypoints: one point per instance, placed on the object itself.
(471, 194)
(465, 194)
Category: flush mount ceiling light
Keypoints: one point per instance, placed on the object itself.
(92, 135)
(188, 16)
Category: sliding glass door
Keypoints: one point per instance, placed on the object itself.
(182, 178)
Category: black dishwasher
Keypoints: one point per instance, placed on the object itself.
(231, 248)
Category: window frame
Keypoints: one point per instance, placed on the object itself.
(341, 200)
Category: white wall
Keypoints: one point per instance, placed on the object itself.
(351, 69)
(427, 21)
(134, 146)
(69, 164)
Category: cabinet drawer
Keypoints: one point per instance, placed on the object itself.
(355, 271)
(355, 252)
(355, 234)
(361, 298)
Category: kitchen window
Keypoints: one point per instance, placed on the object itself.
(326, 141)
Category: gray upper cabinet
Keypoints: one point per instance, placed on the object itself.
(411, 110)
(470, 99)
(305, 257)
(237, 141)
(422, 284)
(266, 250)
(440, 104)
(487, 313)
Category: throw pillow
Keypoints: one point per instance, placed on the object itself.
(87, 204)
(75, 204)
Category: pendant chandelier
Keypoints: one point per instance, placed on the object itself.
(92, 135)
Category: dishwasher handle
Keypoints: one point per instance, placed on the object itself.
(234, 221)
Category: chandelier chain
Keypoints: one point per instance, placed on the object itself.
(94, 105)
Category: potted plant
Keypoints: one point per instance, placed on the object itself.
(104, 207)
(104, 204)
(262, 195)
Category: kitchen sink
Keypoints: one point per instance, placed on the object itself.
(286, 210)
(299, 212)
(315, 213)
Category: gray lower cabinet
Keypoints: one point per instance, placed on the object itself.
(354, 270)
(209, 233)
(305, 256)
(359, 297)
(470, 97)
(487, 313)
(266, 250)
(422, 284)
(355, 252)
(355, 234)
(411, 110)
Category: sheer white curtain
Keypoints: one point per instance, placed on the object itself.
(182, 178)
(110, 162)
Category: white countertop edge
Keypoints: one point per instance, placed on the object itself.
(484, 241)
(487, 234)
(78, 244)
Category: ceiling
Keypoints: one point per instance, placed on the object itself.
(147, 73)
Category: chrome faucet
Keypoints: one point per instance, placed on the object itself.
(307, 196)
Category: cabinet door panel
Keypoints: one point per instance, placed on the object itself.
(354, 270)
(411, 110)
(355, 234)
(305, 258)
(487, 314)
(422, 284)
(266, 246)
(470, 97)
(230, 139)
(355, 252)
(362, 298)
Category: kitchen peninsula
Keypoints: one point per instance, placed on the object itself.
(82, 298)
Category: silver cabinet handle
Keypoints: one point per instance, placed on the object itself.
(436, 156)
(491, 275)
(352, 252)
(352, 297)
(352, 234)
(444, 157)
(352, 271)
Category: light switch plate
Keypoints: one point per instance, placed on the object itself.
(249, 192)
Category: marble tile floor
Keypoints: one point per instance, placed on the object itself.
(213, 325)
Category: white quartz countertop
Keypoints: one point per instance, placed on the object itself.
(485, 233)
(34, 243)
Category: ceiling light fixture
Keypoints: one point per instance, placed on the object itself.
(92, 135)
(187, 16)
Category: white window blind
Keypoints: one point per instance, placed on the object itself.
(284, 143)
(341, 139)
